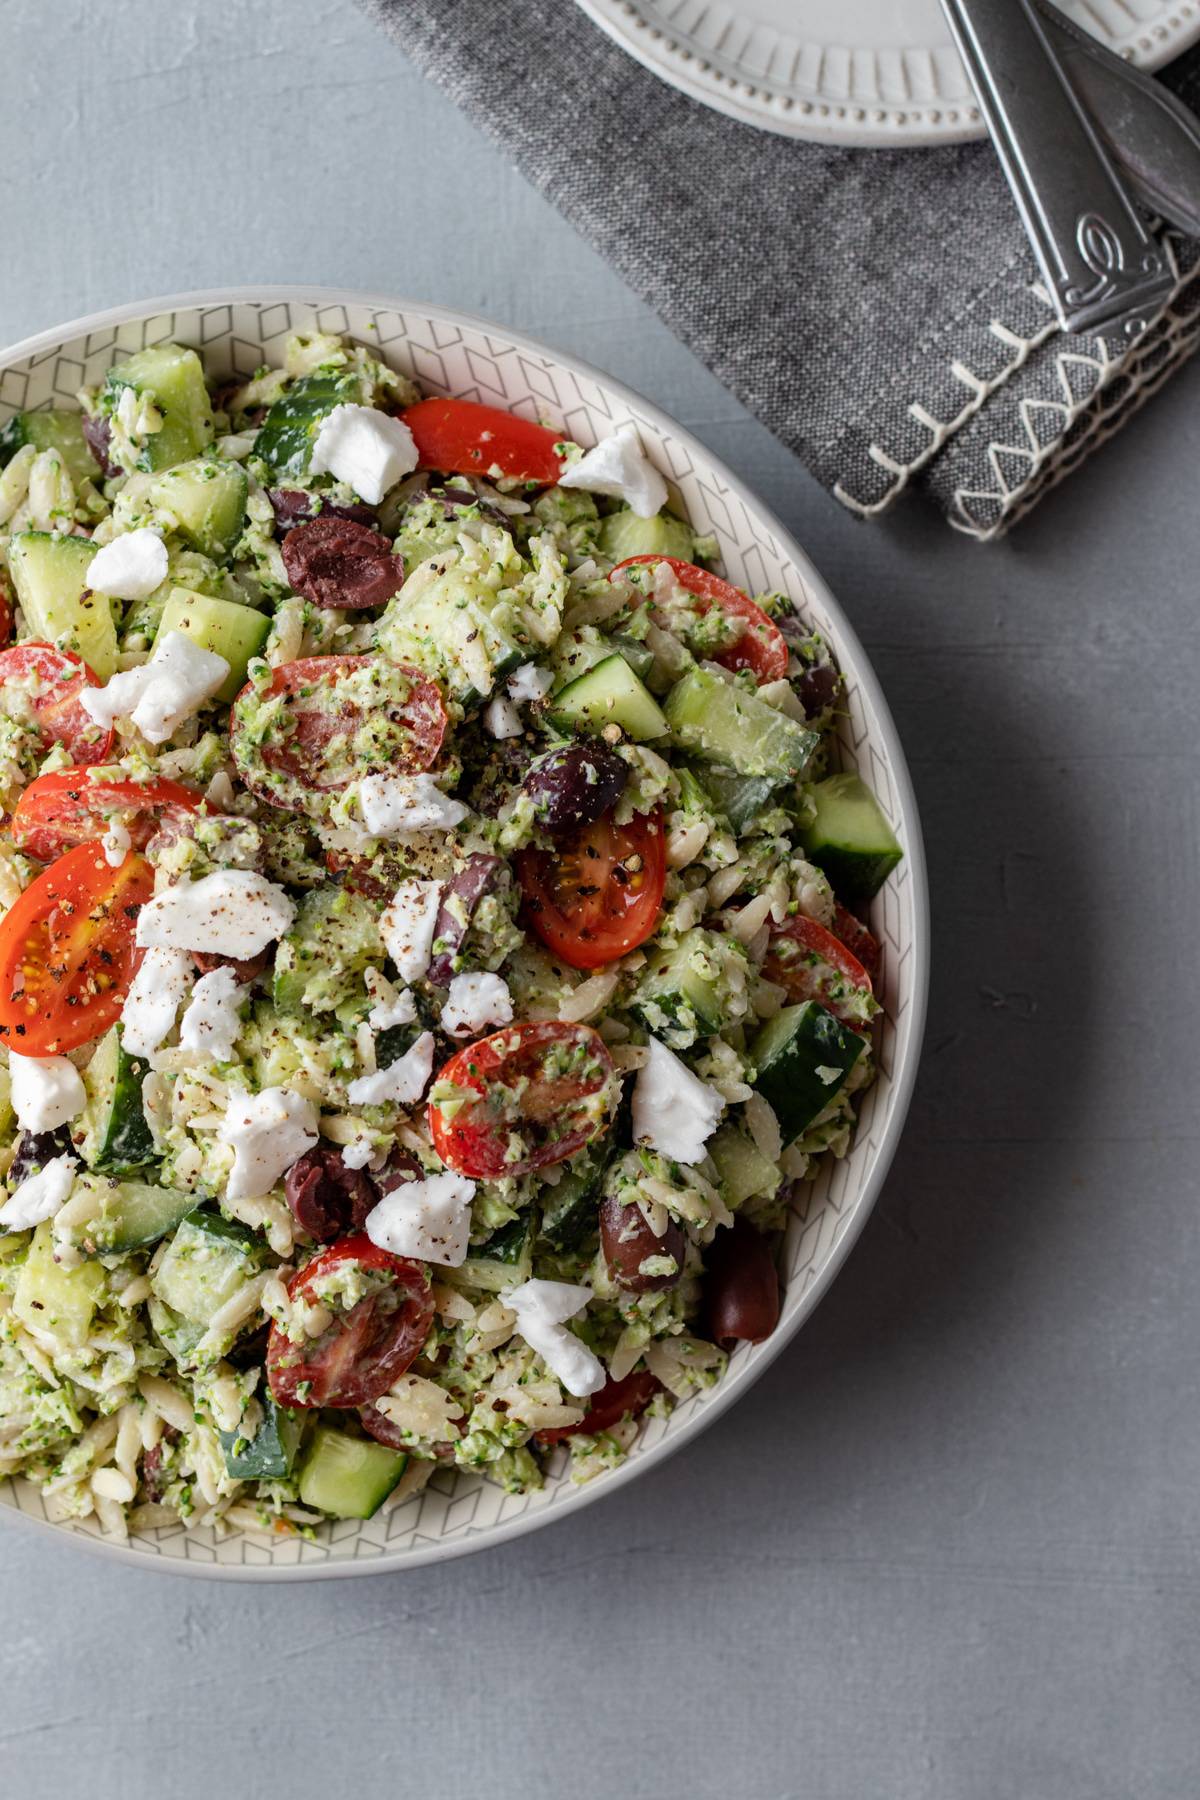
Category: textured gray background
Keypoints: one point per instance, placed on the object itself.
(948, 1548)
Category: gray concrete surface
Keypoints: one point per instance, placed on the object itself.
(949, 1549)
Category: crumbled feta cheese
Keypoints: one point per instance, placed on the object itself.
(131, 566)
(402, 1083)
(530, 682)
(393, 1006)
(396, 804)
(267, 1133)
(475, 1000)
(501, 718)
(542, 1309)
(428, 1219)
(46, 1091)
(210, 1026)
(618, 467)
(39, 1196)
(232, 912)
(673, 1110)
(148, 1014)
(116, 843)
(359, 1151)
(407, 926)
(160, 694)
(368, 450)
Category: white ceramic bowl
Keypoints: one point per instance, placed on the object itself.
(454, 353)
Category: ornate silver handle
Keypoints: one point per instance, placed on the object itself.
(1100, 264)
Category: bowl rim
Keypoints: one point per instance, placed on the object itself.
(903, 1080)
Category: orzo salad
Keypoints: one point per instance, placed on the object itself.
(430, 953)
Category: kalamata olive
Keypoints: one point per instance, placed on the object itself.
(741, 1287)
(628, 1242)
(336, 562)
(816, 688)
(454, 499)
(463, 893)
(246, 968)
(293, 506)
(35, 1149)
(401, 1166)
(327, 1198)
(250, 1351)
(577, 784)
(97, 433)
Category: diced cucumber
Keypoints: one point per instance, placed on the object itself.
(50, 576)
(680, 985)
(52, 430)
(506, 1260)
(638, 655)
(50, 1298)
(570, 1211)
(320, 962)
(173, 378)
(287, 434)
(740, 797)
(205, 500)
(624, 534)
(178, 1334)
(127, 1214)
(445, 627)
(117, 1137)
(609, 693)
(346, 1476)
(850, 838)
(235, 632)
(207, 1261)
(742, 1168)
(270, 1455)
(724, 724)
(802, 1057)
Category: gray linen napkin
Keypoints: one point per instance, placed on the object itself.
(878, 310)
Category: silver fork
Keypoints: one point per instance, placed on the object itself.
(1105, 273)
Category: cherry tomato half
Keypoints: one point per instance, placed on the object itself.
(762, 647)
(363, 1350)
(67, 951)
(544, 1090)
(812, 964)
(321, 736)
(460, 437)
(598, 893)
(63, 808)
(631, 1395)
(54, 680)
(861, 942)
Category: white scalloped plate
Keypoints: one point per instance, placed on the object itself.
(235, 332)
(871, 72)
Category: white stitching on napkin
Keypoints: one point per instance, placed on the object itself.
(941, 430)
(986, 513)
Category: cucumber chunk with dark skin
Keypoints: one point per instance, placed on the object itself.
(117, 1137)
(235, 632)
(609, 693)
(172, 377)
(348, 1477)
(286, 436)
(129, 1215)
(802, 1057)
(721, 723)
(51, 430)
(270, 1455)
(850, 839)
(571, 1206)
